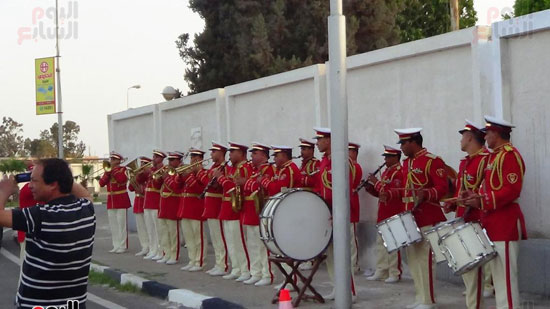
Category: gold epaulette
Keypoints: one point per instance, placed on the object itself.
(508, 148)
(431, 156)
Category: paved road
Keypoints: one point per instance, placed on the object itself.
(99, 297)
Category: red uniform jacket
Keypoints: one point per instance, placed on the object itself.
(170, 197)
(501, 188)
(323, 180)
(214, 194)
(251, 191)
(139, 199)
(308, 168)
(424, 171)
(25, 200)
(152, 191)
(287, 176)
(116, 180)
(191, 206)
(392, 178)
(470, 174)
(243, 170)
(354, 197)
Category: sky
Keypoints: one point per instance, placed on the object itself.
(107, 47)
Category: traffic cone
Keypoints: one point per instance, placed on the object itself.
(285, 302)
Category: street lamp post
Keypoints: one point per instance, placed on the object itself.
(127, 92)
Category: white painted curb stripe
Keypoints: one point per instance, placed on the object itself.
(133, 280)
(10, 256)
(98, 268)
(187, 298)
(103, 302)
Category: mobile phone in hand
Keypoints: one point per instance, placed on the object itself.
(23, 177)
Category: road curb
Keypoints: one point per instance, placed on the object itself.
(157, 289)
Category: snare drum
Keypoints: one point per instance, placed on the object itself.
(434, 234)
(399, 231)
(467, 247)
(296, 224)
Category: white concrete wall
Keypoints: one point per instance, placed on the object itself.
(433, 83)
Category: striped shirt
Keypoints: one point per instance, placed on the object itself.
(60, 238)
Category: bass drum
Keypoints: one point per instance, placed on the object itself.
(296, 224)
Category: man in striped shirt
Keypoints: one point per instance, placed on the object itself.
(60, 236)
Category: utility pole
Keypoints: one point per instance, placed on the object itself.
(60, 153)
(340, 155)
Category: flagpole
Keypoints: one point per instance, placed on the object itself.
(58, 74)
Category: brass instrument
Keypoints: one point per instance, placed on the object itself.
(297, 157)
(182, 169)
(106, 168)
(236, 199)
(161, 171)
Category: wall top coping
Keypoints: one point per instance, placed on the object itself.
(133, 112)
(273, 80)
(191, 99)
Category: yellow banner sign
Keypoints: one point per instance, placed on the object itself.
(44, 69)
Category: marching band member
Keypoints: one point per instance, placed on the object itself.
(501, 214)
(324, 188)
(470, 174)
(287, 176)
(213, 194)
(310, 164)
(170, 196)
(388, 265)
(254, 198)
(232, 183)
(139, 200)
(355, 207)
(308, 169)
(425, 180)
(151, 206)
(118, 202)
(190, 213)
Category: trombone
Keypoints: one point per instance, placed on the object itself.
(181, 169)
(106, 167)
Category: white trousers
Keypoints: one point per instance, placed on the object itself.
(354, 248)
(422, 267)
(170, 238)
(236, 247)
(387, 264)
(218, 242)
(151, 220)
(142, 231)
(119, 231)
(260, 267)
(194, 234)
(330, 264)
(504, 268)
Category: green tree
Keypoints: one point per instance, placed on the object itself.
(47, 144)
(425, 18)
(12, 166)
(248, 39)
(11, 138)
(524, 7)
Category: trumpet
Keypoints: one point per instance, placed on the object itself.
(158, 173)
(182, 169)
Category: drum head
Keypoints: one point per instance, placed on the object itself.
(301, 225)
